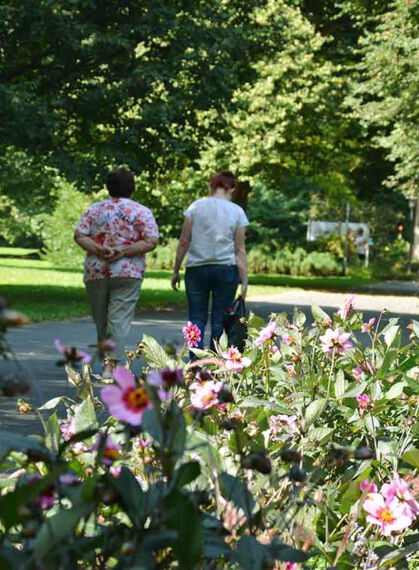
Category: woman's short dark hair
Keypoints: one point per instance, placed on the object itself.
(224, 179)
(120, 183)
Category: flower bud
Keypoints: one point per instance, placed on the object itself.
(289, 455)
(229, 424)
(257, 461)
(363, 452)
(225, 396)
(297, 474)
(128, 547)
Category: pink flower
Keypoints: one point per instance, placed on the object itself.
(142, 443)
(327, 321)
(361, 369)
(291, 369)
(69, 479)
(291, 566)
(399, 489)
(46, 498)
(368, 486)
(115, 470)
(68, 429)
(235, 360)
(335, 341)
(111, 451)
(390, 516)
(273, 349)
(204, 395)
(347, 307)
(358, 372)
(366, 327)
(364, 401)
(287, 339)
(281, 421)
(166, 378)
(126, 401)
(72, 355)
(267, 333)
(192, 334)
(106, 345)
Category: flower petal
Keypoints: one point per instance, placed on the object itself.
(124, 377)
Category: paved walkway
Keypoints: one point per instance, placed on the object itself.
(34, 344)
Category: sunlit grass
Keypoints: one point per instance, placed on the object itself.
(45, 292)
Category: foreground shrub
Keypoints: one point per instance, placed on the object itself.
(302, 452)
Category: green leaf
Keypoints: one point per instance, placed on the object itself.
(340, 385)
(318, 313)
(85, 415)
(415, 327)
(57, 528)
(411, 456)
(320, 434)
(354, 390)
(257, 402)
(395, 391)
(185, 519)
(10, 503)
(298, 318)
(251, 554)
(313, 411)
(150, 423)
(255, 322)
(285, 553)
(187, 473)
(236, 491)
(176, 439)
(393, 557)
(53, 403)
(131, 493)
(154, 353)
(14, 441)
(53, 434)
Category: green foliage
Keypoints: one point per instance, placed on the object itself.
(280, 213)
(262, 469)
(26, 196)
(289, 261)
(58, 230)
(387, 91)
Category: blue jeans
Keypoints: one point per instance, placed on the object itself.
(218, 281)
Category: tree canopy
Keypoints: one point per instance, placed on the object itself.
(317, 95)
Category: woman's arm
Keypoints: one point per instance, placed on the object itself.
(137, 248)
(182, 248)
(89, 245)
(241, 259)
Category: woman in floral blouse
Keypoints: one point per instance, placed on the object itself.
(116, 234)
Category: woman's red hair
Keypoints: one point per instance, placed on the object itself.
(224, 179)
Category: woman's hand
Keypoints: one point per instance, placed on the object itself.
(175, 281)
(243, 291)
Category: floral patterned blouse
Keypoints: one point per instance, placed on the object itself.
(112, 223)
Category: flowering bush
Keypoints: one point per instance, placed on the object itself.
(302, 452)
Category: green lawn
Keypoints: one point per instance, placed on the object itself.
(18, 252)
(44, 292)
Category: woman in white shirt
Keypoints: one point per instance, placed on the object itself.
(213, 237)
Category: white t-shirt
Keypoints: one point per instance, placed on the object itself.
(215, 221)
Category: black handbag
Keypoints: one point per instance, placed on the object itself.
(235, 326)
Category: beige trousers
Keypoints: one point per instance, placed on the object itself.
(113, 303)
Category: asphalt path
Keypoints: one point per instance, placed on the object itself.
(34, 344)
